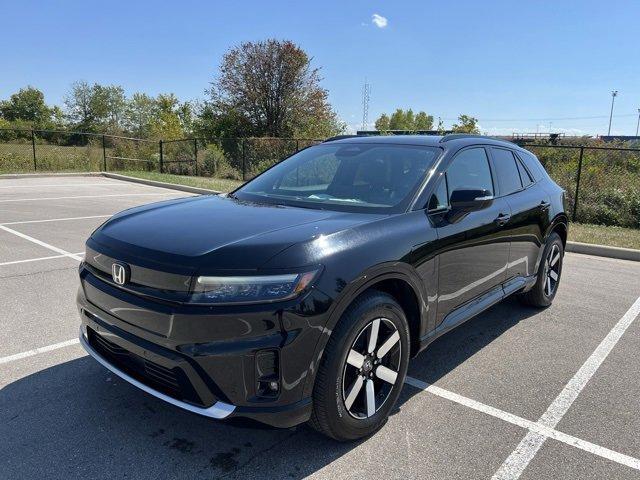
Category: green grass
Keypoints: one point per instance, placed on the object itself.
(218, 184)
(605, 235)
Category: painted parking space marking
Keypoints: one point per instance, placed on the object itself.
(56, 220)
(37, 351)
(537, 428)
(29, 260)
(529, 446)
(42, 244)
(13, 200)
(111, 184)
(533, 427)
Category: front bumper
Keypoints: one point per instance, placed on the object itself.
(204, 359)
(218, 410)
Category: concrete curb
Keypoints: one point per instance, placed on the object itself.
(604, 251)
(155, 183)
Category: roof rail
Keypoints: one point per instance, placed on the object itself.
(456, 136)
(339, 137)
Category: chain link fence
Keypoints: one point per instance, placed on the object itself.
(602, 182)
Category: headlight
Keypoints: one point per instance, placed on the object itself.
(251, 289)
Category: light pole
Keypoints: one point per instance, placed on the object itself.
(638, 124)
(614, 94)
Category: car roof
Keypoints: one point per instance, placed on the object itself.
(454, 140)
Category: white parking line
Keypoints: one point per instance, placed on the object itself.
(533, 427)
(91, 196)
(36, 351)
(64, 185)
(41, 243)
(526, 450)
(56, 219)
(38, 259)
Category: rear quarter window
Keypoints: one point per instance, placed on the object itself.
(533, 164)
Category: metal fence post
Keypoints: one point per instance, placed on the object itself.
(195, 154)
(297, 145)
(575, 199)
(244, 159)
(160, 144)
(33, 147)
(104, 154)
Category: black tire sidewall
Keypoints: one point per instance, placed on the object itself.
(376, 306)
(554, 239)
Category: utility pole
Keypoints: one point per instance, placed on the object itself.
(638, 124)
(366, 95)
(614, 94)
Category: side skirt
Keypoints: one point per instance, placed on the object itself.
(476, 306)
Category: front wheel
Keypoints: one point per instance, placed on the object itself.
(549, 271)
(363, 368)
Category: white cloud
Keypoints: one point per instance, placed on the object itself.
(379, 21)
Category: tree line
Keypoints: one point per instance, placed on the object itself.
(406, 120)
(262, 89)
(267, 88)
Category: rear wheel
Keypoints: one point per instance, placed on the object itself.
(549, 271)
(363, 368)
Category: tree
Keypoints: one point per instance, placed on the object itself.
(96, 108)
(269, 88)
(382, 123)
(138, 114)
(27, 105)
(423, 121)
(466, 124)
(405, 120)
(168, 122)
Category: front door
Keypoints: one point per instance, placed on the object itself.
(473, 250)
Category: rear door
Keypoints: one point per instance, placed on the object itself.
(472, 251)
(528, 203)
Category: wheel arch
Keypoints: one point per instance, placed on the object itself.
(396, 279)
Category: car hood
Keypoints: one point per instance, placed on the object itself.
(213, 233)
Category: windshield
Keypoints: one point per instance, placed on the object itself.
(346, 176)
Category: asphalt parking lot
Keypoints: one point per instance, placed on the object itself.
(549, 393)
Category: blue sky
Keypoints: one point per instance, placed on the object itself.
(513, 65)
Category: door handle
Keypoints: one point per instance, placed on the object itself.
(502, 219)
(544, 205)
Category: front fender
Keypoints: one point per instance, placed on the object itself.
(385, 271)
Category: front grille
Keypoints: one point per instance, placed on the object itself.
(170, 381)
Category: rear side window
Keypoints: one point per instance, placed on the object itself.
(470, 170)
(524, 175)
(533, 164)
(506, 171)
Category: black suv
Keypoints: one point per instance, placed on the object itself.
(302, 295)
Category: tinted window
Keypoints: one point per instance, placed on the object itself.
(506, 171)
(524, 175)
(470, 170)
(346, 175)
(439, 199)
(533, 164)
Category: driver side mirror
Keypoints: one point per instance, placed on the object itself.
(470, 200)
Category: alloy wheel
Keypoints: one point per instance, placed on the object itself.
(552, 271)
(371, 368)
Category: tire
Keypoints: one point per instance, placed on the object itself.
(546, 286)
(340, 409)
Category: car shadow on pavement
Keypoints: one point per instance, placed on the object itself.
(77, 420)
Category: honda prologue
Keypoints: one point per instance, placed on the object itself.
(302, 295)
